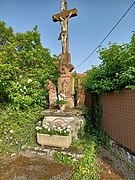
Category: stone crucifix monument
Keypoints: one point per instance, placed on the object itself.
(69, 116)
(65, 81)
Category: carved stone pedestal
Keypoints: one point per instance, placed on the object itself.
(73, 117)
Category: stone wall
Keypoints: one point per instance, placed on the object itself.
(123, 154)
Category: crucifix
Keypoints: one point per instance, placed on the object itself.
(63, 18)
(65, 81)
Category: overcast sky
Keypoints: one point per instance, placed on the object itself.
(95, 19)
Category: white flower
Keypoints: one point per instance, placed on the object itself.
(24, 87)
(38, 128)
(68, 130)
(45, 126)
(20, 76)
(69, 127)
(29, 81)
(17, 83)
(64, 95)
(11, 131)
(59, 128)
(54, 127)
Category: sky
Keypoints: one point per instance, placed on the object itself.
(95, 19)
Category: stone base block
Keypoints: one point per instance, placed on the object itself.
(54, 140)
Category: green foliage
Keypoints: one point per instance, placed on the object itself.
(87, 168)
(26, 66)
(93, 124)
(17, 128)
(88, 121)
(117, 69)
(61, 100)
(61, 158)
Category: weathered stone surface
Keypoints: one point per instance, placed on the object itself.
(54, 140)
(123, 153)
(65, 61)
(80, 93)
(59, 113)
(66, 87)
(65, 81)
(118, 164)
(74, 118)
(52, 93)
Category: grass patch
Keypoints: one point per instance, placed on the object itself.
(17, 128)
(87, 168)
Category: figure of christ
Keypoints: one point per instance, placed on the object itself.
(64, 31)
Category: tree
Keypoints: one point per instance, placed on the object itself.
(117, 69)
(26, 66)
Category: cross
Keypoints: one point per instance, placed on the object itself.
(63, 18)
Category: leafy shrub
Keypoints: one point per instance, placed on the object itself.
(93, 125)
(117, 69)
(26, 66)
(87, 168)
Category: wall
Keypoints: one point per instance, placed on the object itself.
(118, 117)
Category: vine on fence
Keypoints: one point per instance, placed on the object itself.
(93, 123)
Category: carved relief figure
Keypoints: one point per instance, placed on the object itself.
(52, 93)
(80, 93)
(66, 88)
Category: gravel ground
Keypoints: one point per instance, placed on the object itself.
(117, 164)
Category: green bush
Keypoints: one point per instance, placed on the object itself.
(88, 167)
(26, 66)
(116, 71)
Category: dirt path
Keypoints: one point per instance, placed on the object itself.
(37, 168)
(40, 168)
